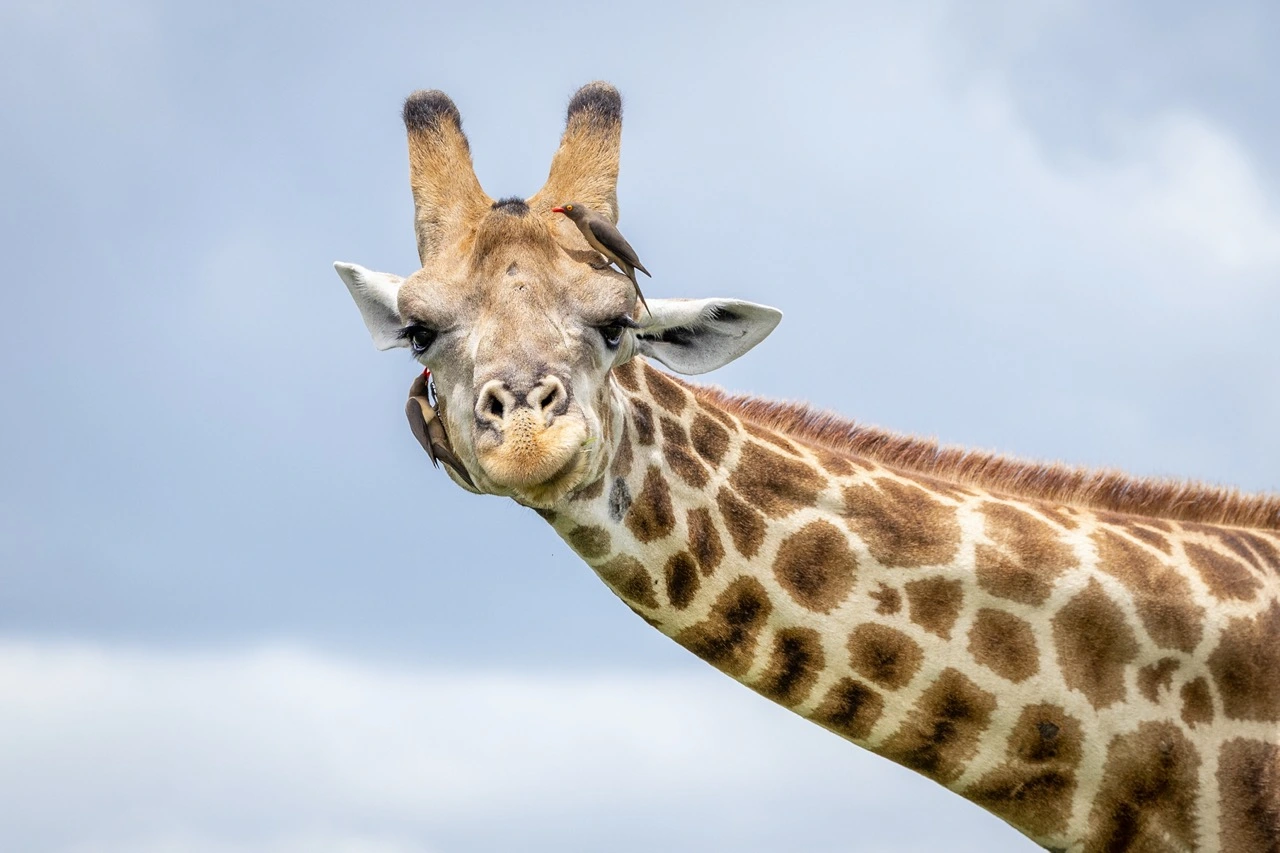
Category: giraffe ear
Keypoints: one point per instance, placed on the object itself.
(375, 295)
(699, 335)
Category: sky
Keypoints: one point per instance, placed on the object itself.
(239, 611)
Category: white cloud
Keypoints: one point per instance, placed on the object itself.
(282, 750)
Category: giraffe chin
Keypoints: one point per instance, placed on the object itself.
(537, 465)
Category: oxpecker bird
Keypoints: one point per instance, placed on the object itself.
(603, 236)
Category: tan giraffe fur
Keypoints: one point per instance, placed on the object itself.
(1091, 657)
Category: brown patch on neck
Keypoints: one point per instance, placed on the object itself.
(1245, 666)
(704, 539)
(1161, 595)
(934, 604)
(1055, 484)
(1148, 794)
(794, 666)
(727, 638)
(773, 483)
(1249, 796)
(651, 516)
(1026, 556)
(944, 729)
(1032, 789)
(1157, 676)
(1225, 576)
(816, 567)
(1197, 704)
(850, 709)
(902, 525)
(1095, 644)
(628, 577)
(1004, 644)
(744, 523)
(884, 655)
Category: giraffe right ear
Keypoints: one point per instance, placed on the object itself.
(375, 295)
(698, 335)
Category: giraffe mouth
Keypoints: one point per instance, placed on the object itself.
(534, 462)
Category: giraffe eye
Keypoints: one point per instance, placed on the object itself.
(612, 335)
(419, 338)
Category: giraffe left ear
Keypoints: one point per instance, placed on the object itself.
(698, 335)
(375, 295)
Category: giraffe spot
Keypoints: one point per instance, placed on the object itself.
(1147, 798)
(642, 419)
(619, 499)
(590, 542)
(622, 457)
(682, 579)
(1095, 644)
(1156, 540)
(1004, 644)
(1244, 667)
(678, 455)
(727, 638)
(721, 415)
(590, 492)
(1058, 515)
(934, 604)
(773, 483)
(770, 437)
(710, 440)
(1161, 595)
(1225, 577)
(651, 516)
(795, 663)
(833, 463)
(1197, 704)
(1268, 551)
(883, 655)
(664, 391)
(1158, 524)
(548, 515)
(943, 730)
(816, 566)
(888, 600)
(1025, 558)
(1033, 787)
(849, 709)
(942, 487)
(626, 376)
(901, 525)
(1248, 779)
(630, 580)
(704, 540)
(1157, 676)
(744, 523)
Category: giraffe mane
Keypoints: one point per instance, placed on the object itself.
(1055, 482)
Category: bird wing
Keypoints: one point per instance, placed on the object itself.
(611, 238)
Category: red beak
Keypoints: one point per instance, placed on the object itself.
(557, 210)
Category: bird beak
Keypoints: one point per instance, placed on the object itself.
(557, 210)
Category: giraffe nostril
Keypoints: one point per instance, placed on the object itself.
(495, 406)
(548, 396)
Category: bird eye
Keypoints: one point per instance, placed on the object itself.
(568, 207)
(419, 338)
(612, 335)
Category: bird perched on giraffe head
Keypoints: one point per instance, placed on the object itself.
(603, 236)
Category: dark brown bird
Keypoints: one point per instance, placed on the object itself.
(428, 429)
(603, 236)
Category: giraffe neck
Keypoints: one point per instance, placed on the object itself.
(1057, 666)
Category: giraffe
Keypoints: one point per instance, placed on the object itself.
(1092, 657)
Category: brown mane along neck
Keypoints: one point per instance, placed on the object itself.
(1093, 489)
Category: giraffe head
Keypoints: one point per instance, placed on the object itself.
(513, 316)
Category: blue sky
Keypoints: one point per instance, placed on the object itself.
(238, 608)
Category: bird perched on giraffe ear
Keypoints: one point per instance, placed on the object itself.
(603, 236)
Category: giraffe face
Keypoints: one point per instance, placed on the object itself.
(515, 318)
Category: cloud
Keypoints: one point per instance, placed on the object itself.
(280, 749)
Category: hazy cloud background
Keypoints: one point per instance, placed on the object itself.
(239, 610)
